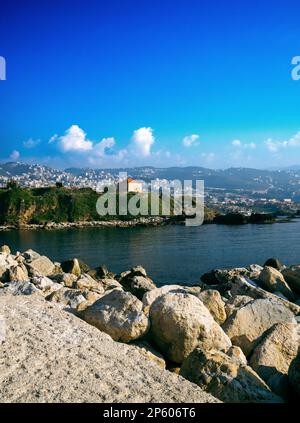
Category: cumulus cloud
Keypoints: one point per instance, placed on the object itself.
(15, 155)
(142, 141)
(75, 139)
(239, 144)
(101, 147)
(79, 150)
(190, 140)
(275, 146)
(31, 143)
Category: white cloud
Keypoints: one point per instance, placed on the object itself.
(272, 146)
(190, 140)
(15, 155)
(31, 143)
(53, 139)
(142, 141)
(78, 150)
(101, 147)
(275, 146)
(239, 144)
(75, 140)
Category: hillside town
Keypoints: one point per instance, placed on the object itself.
(226, 199)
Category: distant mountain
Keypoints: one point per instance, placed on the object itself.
(228, 179)
(13, 169)
(294, 167)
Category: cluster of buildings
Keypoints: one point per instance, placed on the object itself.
(37, 176)
(246, 204)
(223, 200)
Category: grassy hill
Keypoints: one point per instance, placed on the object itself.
(55, 204)
(41, 205)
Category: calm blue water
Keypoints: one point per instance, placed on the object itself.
(170, 254)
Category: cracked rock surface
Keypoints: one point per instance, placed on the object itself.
(49, 355)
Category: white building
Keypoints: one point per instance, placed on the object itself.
(134, 186)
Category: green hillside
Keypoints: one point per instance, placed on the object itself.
(53, 204)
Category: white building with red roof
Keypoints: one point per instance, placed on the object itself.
(134, 186)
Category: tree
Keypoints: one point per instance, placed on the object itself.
(11, 184)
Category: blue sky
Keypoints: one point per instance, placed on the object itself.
(125, 83)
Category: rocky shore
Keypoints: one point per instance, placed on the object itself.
(70, 333)
(229, 219)
(142, 221)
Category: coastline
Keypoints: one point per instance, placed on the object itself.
(153, 221)
(117, 223)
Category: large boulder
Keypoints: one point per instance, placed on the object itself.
(272, 280)
(109, 284)
(294, 375)
(85, 268)
(101, 272)
(21, 288)
(137, 284)
(30, 255)
(87, 282)
(90, 298)
(150, 296)
(180, 322)
(42, 266)
(4, 249)
(236, 302)
(216, 306)
(138, 271)
(236, 353)
(18, 274)
(273, 355)
(225, 377)
(244, 286)
(66, 279)
(66, 296)
(254, 270)
(292, 277)
(45, 284)
(275, 263)
(6, 261)
(71, 266)
(247, 324)
(119, 314)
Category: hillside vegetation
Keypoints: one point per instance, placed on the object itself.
(55, 204)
